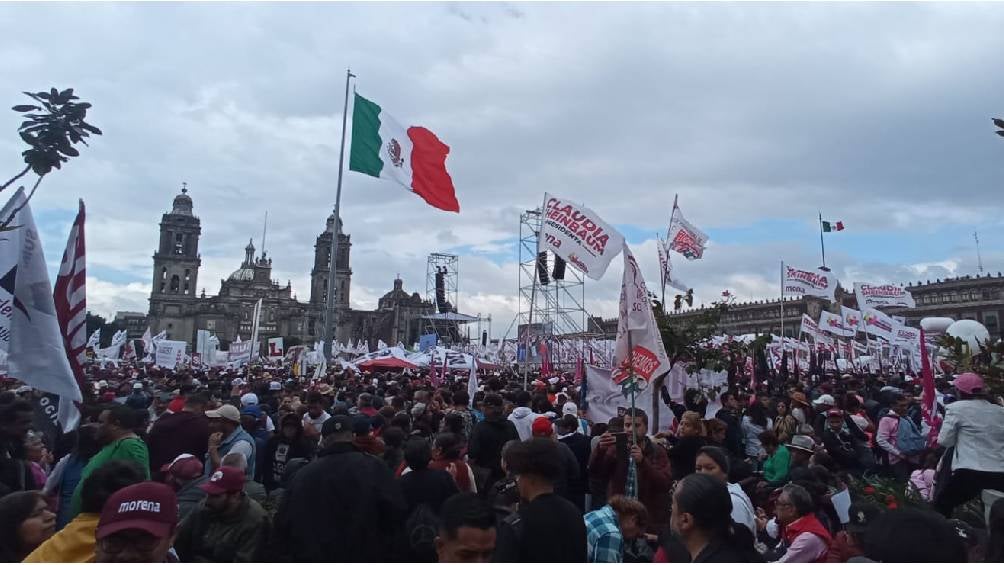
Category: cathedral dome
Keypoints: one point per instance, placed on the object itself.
(242, 274)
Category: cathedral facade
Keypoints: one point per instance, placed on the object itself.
(176, 307)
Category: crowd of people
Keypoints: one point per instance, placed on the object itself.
(260, 466)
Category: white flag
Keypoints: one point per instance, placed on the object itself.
(815, 282)
(684, 237)
(472, 381)
(876, 323)
(95, 338)
(170, 353)
(878, 296)
(834, 324)
(647, 355)
(36, 355)
(254, 330)
(577, 235)
(852, 318)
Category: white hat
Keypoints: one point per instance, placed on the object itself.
(237, 382)
(225, 412)
(570, 408)
(275, 385)
(825, 400)
(102, 383)
(249, 399)
(137, 386)
(196, 383)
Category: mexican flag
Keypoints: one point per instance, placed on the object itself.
(833, 226)
(411, 156)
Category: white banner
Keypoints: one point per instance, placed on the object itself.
(871, 295)
(605, 399)
(834, 324)
(852, 319)
(275, 349)
(170, 353)
(29, 327)
(647, 353)
(876, 323)
(809, 326)
(906, 337)
(816, 282)
(684, 237)
(240, 352)
(577, 235)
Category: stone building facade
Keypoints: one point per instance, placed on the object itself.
(176, 308)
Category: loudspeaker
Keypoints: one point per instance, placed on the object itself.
(558, 273)
(542, 268)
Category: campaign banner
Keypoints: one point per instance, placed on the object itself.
(906, 337)
(685, 238)
(877, 296)
(577, 235)
(275, 348)
(646, 358)
(809, 326)
(240, 352)
(834, 324)
(876, 323)
(852, 319)
(809, 283)
(605, 399)
(169, 353)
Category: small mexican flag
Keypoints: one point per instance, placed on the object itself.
(833, 226)
(411, 156)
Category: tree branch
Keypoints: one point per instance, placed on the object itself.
(3, 227)
(19, 175)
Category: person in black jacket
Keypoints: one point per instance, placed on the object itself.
(282, 447)
(579, 445)
(15, 421)
(422, 485)
(843, 440)
(485, 446)
(730, 415)
(344, 506)
(547, 527)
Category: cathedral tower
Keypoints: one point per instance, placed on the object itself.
(176, 270)
(319, 273)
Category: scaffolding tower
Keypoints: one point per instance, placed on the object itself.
(558, 303)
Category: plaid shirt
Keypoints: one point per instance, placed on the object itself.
(604, 543)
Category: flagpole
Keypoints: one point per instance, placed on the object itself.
(330, 304)
(662, 277)
(782, 306)
(822, 247)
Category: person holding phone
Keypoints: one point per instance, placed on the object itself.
(610, 466)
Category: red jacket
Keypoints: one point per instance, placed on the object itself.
(811, 525)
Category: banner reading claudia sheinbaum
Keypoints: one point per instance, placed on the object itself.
(882, 295)
(577, 235)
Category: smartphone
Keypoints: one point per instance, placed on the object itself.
(622, 444)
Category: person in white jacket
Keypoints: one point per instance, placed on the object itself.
(974, 426)
(523, 416)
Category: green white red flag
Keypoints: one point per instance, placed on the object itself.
(411, 156)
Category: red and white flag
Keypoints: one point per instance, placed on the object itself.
(685, 238)
(646, 357)
(70, 298)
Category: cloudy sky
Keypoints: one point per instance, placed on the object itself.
(758, 116)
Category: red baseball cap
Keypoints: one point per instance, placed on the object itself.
(542, 427)
(224, 480)
(185, 467)
(147, 506)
